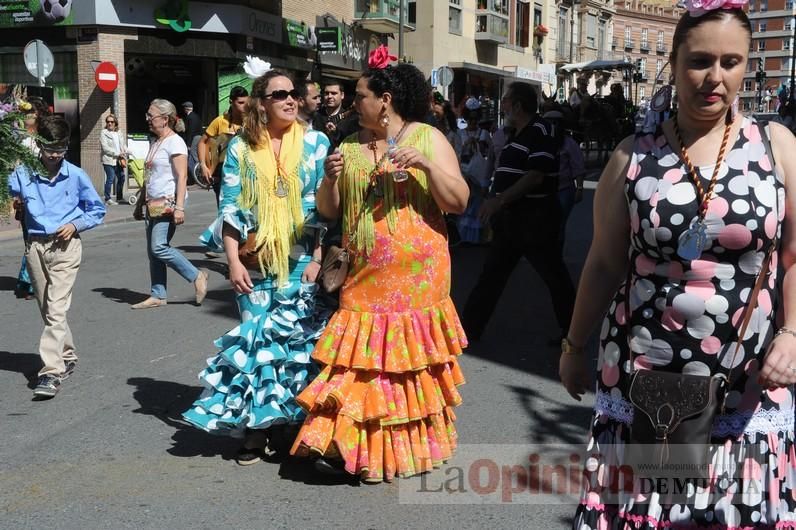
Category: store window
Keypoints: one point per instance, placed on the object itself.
(455, 16)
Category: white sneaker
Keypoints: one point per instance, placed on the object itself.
(111, 202)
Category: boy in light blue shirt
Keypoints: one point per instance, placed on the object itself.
(59, 204)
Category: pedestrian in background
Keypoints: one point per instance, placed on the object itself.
(309, 100)
(686, 273)
(217, 136)
(524, 213)
(59, 204)
(114, 159)
(394, 342)
(192, 123)
(166, 176)
(271, 175)
(571, 171)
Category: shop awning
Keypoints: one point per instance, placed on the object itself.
(481, 69)
(597, 65)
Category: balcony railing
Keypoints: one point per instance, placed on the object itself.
(491, 28)
(381, 16)
(628, 44)
(660, 48)
(644, 46)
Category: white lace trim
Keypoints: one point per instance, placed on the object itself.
(733, 424)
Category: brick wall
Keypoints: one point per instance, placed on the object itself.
(94, 104)
(307, 10)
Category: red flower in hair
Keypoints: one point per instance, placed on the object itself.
(380, 58)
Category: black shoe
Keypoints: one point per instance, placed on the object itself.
(70, 367)
(47, 386)
(329, 466)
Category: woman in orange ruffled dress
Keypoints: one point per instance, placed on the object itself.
(383, 403)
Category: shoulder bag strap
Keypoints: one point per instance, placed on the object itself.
(747, 317)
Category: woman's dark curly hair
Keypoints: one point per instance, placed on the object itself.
(411, 95)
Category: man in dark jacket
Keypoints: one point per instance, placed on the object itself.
(193, 123)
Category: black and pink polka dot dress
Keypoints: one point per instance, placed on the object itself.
(685, 316)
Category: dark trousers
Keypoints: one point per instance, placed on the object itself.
(528, 228)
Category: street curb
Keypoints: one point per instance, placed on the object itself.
(11, 234)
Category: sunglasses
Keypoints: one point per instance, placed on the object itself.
(110, 121)
(282, 95)
(53, 151)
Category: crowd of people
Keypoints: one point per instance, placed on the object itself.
(361, 375)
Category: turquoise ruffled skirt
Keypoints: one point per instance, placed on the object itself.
(264, 363)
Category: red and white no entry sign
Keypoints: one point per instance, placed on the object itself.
(107, 77)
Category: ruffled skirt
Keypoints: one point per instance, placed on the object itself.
(752, 486)
(384, 399)
(264, 363)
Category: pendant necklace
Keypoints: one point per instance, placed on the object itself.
(281, 183)
(693, 241)
(377, 189)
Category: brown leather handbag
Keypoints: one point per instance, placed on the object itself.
(336, 259)
(673, 412)
(247, 252)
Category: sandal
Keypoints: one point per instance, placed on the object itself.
(247, 456)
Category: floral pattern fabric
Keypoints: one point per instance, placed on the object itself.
(684, 318)
(264, 363)
(384, 399)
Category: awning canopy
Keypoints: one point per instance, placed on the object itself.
(591, 66)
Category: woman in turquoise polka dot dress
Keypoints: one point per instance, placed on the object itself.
(270, 176)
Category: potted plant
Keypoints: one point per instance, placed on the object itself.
(13, 108)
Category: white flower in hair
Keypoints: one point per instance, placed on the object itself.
(255, 67)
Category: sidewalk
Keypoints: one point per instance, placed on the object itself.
(199, 200)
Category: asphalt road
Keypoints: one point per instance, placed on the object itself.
(110, 451)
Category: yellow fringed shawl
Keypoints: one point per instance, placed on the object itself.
(280, 220)
(354, 183)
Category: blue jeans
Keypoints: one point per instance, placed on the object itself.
(113, 174)
(158, 235)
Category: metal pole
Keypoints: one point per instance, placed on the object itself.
(792, 61)
(39, 65)
(401, 30)
(571, 32)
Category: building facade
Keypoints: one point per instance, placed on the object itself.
(643, 33)
(177, 50)
(485, 43)
(771, 53)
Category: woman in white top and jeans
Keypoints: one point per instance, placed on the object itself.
(113, 153)
(166, 174)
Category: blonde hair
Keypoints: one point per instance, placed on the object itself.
(166, 108)
(254, 119)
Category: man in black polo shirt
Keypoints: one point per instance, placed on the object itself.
(524, 213)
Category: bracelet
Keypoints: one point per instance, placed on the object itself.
(567, 348)
(313, 259)
(783, 330)
(180, 209)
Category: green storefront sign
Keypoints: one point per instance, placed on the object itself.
(297, 35)
(328, 39)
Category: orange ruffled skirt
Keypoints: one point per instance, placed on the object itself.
(384, 400)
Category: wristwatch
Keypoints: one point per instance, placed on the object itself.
(567, 348)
